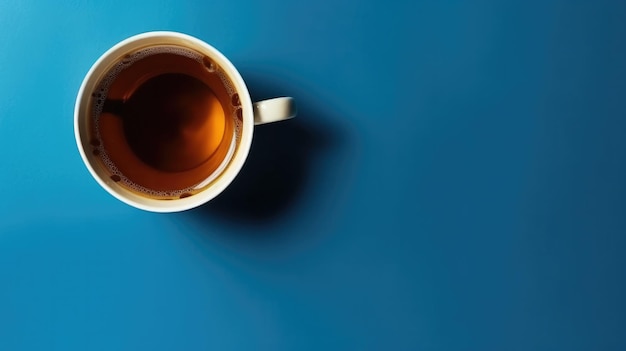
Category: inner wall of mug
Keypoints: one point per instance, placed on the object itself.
(220, 178)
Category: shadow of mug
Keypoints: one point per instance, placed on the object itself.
(278, 167)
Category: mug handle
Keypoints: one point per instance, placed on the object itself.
(274, 110)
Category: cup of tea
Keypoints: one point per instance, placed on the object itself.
(164, 122)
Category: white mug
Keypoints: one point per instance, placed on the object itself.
(251, 114)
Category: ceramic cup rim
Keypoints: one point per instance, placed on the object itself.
(82, 113)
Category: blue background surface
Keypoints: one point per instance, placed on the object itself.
(456, 180)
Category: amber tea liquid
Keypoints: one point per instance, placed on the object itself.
(165, 122)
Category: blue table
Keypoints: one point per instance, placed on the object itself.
(456, 180)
